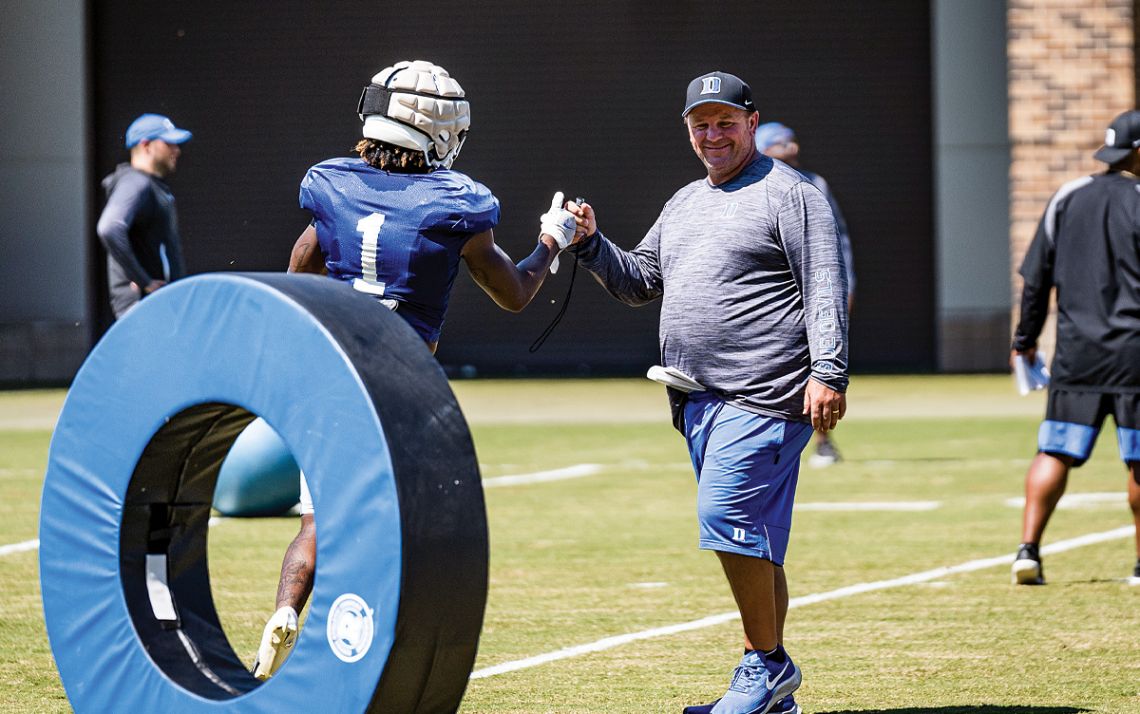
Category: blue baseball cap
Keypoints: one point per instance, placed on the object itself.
(771, 134)
(149, 127)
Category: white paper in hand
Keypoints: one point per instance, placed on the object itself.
(1030, 377)
(675, 378)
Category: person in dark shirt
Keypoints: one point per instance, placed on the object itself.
(1087, 248)
(139, 224)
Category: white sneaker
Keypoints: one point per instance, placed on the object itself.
(276, 643)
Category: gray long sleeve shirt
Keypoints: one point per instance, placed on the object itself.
(840, 225)
(753, 284)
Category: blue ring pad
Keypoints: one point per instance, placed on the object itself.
(1060, 437)
(369, 416)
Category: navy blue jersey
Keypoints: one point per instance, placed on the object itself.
(397, 236)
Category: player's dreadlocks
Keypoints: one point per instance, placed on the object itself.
(388, 157)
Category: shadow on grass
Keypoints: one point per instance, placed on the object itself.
(978, 708)
(1132, 581)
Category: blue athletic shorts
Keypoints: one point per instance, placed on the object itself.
(747, 466)
(1073, 420)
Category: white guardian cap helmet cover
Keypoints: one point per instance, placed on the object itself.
(417, 105)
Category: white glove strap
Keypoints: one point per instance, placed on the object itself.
(559, 224)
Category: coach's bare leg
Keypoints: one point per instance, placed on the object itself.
(1134, 499)
(781, 602)
(298, 566)
(753, 582)
(1044, 485)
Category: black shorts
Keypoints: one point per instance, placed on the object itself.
(1073, 420)
(1090, 408)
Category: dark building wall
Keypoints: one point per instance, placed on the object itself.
(581, 97)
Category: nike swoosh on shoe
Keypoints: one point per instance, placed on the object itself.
(770, 683)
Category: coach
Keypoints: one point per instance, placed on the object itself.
(1086, 246)
(139, 224)
(754, 309)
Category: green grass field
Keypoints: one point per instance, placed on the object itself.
(614, 553)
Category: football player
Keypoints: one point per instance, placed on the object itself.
(394, 222)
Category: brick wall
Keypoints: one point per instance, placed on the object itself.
(1071, 70)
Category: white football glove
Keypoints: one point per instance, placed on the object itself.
(276, 642)
(559, 224)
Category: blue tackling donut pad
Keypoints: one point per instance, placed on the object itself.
(401, 577)
(259, 476)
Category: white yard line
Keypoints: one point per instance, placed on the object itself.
(576, 471)
(858, 589)
(19, 547)
(1079, 500)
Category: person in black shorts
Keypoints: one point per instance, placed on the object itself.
(1087, 247)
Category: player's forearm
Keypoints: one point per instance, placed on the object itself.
(297, 573)
(530, 272)
(532, 269)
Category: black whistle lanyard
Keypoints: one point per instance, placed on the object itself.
(541, 339)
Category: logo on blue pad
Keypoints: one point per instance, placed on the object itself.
(350, 628)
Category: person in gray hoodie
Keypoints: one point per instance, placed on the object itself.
(139, 224)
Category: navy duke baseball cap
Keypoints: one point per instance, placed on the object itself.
(1121, 138)
(149, 127)
(719, 87)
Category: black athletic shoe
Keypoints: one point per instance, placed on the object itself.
(825, 455)
(1136, 570)
(1026, 568)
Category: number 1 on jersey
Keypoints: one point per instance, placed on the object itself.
(369, 227)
